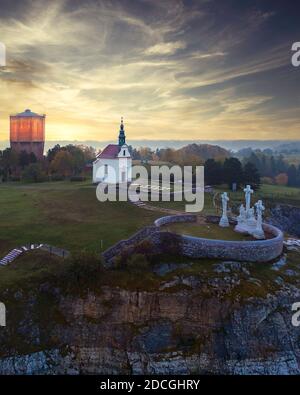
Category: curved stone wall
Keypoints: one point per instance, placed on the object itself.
(171, 219)
(249, 251)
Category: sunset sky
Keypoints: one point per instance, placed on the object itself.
(173, 69)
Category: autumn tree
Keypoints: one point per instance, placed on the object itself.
(62, 163)
(282, 179)
(233, 172)
(251, 176)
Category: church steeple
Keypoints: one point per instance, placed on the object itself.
(122, 137)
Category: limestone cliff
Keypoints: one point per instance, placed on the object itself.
(234, 319)
(286, 217)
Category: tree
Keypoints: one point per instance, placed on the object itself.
(251, 176)
(282, 179)
(32, 158)
(293, 176)
(62, 163)
(145, 153)
(77, 158)
(24, 159)
(52, 152)
(212, 172)
(34, 172)
(8, 163)
(233, 172)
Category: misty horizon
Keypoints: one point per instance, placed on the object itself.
(233, 145)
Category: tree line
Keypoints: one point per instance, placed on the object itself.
(230, 172)
(275, 169)
(59, 163)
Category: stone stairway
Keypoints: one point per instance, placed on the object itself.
(13, 254)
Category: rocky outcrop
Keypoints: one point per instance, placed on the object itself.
(191, 325)
(286, 217)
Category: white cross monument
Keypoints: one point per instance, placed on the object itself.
(248, 192)
(258, 232)
(224, 219)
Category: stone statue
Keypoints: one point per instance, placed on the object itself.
(242, 215)
(251, 221)
(248, 191)
(241, 220)
(224, 219)
(259, 232)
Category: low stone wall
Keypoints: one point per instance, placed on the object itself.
(247, 251)
(171, 219)
(197, 247)
(116, 249)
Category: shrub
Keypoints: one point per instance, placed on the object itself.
(34, 173)
(82, 271)
(137, 262)
(15, 178)
(57, 177)
(77, 178)
(171, 243)
(267, 180)
(282, 179)
(144, 247)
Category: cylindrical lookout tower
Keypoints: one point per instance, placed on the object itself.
(27, 133)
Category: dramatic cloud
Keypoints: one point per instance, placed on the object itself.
(173, 69)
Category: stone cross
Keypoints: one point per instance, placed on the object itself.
(259, 232)
(248, 191)
(259, 211)
(242, 216)
(224, 219)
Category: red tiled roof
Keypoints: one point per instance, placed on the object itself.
(110, 152)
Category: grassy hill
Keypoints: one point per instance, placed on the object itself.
(65, 214)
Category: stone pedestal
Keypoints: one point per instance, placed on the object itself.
(224, 223)
(258, 234)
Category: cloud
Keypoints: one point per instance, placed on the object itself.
(165, 48)
(169, 69)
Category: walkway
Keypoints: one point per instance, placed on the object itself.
(16, 252)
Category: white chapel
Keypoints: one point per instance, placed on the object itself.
(114, 164)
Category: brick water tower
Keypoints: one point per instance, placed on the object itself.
(27, 133)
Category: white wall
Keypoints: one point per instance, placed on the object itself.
(115, 169)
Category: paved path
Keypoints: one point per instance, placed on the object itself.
(201, 218)
(16, 252)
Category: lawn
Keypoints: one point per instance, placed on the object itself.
(68, 215)
(270, 194)
(208, 231)
(65, 214)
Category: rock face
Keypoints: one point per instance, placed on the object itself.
(191, 325)
(286, 218)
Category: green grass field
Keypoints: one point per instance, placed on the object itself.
(208, 231)
(268, 193)
(65, 214)
(68, 215)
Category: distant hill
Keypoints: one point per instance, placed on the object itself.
(289, 148)
(204, 151)
(232, 145)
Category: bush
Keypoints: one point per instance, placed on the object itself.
(267, 180)
(57, 177)
(171, 243)
(83, 271)
(137, 262)
(77, 178)
(144, 247)
(282, 179)
(34, 173)
(15, 178)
